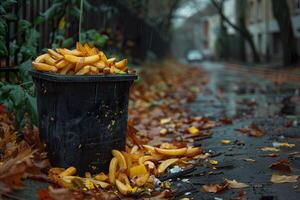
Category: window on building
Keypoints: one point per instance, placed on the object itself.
(259, 9)
(251, 14)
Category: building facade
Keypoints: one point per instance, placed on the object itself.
(265, 31)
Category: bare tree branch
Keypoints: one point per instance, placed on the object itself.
(243, 31)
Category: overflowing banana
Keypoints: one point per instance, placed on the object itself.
(130, 171)
(84, 60)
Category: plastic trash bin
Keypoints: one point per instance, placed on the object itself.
(82, 118)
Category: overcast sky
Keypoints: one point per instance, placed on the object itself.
(189, 8)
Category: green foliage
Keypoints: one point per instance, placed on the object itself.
(29, 47)
(93, 37)
(4, 16)
(19, 99)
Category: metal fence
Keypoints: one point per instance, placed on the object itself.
(28, 10)
(146, 38)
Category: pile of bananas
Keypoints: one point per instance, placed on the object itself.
(84, 60)
(131, 171)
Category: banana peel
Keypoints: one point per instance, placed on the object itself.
(68, 172)
(82, 60)
(123, 188)
(165, 164)
(101, 177)
(44, 67)
(142, 180)
(121, 159)
(84, 70)
(171, 152)
(137, 170)
(112, 170)
(54, 54)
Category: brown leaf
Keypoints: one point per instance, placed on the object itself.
(241, 196)
(276, 178)
(215, 188)
(253, 131)
(282, 165)
(236, 185)
(226, 121)
(14, 169)
(43, 194)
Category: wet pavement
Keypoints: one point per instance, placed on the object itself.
(246, 99)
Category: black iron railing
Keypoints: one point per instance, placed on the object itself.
(28, 10)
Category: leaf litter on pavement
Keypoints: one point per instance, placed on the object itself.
(163, 143)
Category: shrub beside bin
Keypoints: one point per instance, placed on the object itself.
(82, 118)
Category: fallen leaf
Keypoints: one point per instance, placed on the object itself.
(236, 185)
(165, 120)
(241, 196)
(225, 142)
(253, 131)
(284, 144)
(295, 154)
(249, 160)
(282, 165)
(276, 178)
(226, 121)
(269, 149)
(43, 194)
(193, 130)
(215, 188)
(163, 131)
(213, 162)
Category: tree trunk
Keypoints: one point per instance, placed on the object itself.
(242, 30)
(282, 15)
(241, 7)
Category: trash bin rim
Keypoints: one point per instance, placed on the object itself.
(82, 78)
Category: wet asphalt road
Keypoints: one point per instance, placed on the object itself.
(246, 99)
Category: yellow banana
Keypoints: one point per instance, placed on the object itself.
(123, 189)
(137, 170)
(165, 164)
(112, 171)
(100, 64)
(74, 52)
(40, 58)
(61, 64)
(84, 70)
(49, 60)
(56, 55)
(66, 69)
(121, 64)
(141, 180)
(94, 70)
(172, 152)
(82, 60)
(68, 172)
(121, 159)
(111, 61)
(44, 67)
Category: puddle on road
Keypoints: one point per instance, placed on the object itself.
(237, 95)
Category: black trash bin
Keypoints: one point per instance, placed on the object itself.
(82, 118)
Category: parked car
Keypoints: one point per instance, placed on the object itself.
(194, 56)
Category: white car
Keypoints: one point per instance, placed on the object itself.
(194, 56)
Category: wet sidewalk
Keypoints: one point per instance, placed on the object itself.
(246, 99)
